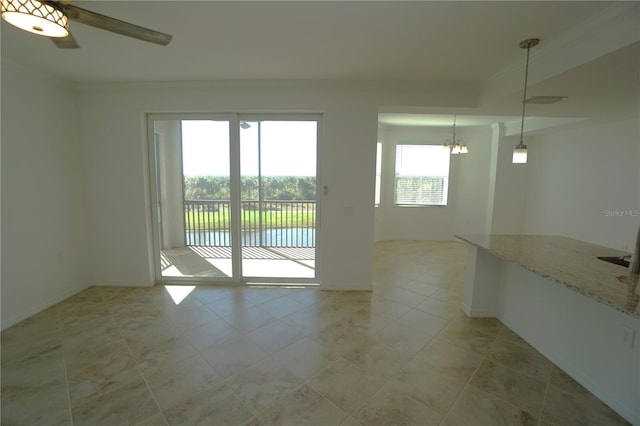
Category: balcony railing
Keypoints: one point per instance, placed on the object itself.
(262, 223)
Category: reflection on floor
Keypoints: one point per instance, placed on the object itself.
(212, 262)
(403, 354)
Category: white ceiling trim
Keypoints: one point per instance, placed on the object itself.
(604, 33)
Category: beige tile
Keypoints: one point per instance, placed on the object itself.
(441, 309)
(140, 310)
(233, 354)
(507, 334)
(231, 303)
(520, 390)
(305, 358)
(305, 296)
(455, 361)
(216, 405)
(249, 319)
(210, 334)
(388, 407)
(67, 311)
(174, 380)
(186, 318)
(450, 294)
(82, 351)
(423, 322)
(128, 405)
(489, 326)
(263, 383)
(88, 295)
(404, 337)
(170, 350)
(345, 385)
(42, 366)
(44, 403)
(208, 294)
(30, 337)
(343, 338)
(102, 375)
(459, 333)
(577, 408)
(258, 296)
(402, 296)
(350, 421)
(275, 336)
(75, 328)
(392, 309)
(302, 406)
(478, 408)
(281, 306)
(155, 420)
(521, 358)
(377, 359)
(419, 286)
(565, 383)
(146, 331)
(430, 387)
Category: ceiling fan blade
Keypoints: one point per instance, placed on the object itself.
(107, 23)
(68, 42)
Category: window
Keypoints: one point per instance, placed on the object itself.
(422, 175)
(378, 171)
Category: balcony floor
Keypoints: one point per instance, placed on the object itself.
(215, 262)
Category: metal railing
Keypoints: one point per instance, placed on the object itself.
(262, 223)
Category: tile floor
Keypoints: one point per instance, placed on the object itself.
(401, 355)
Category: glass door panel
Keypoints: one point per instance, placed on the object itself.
(278, 163)
(193, 198)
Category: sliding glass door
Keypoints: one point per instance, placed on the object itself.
(234, 197)
(278, 179)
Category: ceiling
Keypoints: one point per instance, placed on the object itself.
(473, 43)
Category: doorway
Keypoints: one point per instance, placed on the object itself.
(235, 198)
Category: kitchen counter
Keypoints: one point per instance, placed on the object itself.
(579, 311)
(569, 262)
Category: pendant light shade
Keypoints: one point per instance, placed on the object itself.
(519, 154)
(520, 151)
(36, 17)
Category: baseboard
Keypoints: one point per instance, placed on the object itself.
(346, 286)
(121, 284)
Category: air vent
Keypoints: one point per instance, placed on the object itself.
(545, 99)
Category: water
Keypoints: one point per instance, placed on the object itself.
(283, 237)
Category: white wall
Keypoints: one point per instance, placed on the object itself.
(114, 135)
(507, 202)
(474, 182)
(579, 178)
(44, 235)
(466, 209)
(113, 131)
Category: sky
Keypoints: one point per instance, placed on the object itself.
(288, 148)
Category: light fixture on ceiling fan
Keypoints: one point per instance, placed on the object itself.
(453, 144)
(51, 19)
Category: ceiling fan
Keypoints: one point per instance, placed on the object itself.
(51, 19)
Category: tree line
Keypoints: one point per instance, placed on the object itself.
(285, 188)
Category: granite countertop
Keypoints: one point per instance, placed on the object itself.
(569, 262)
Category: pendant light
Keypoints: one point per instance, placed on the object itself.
(454, 145)
(520, 151)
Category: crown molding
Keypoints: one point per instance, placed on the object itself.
(607, 32)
